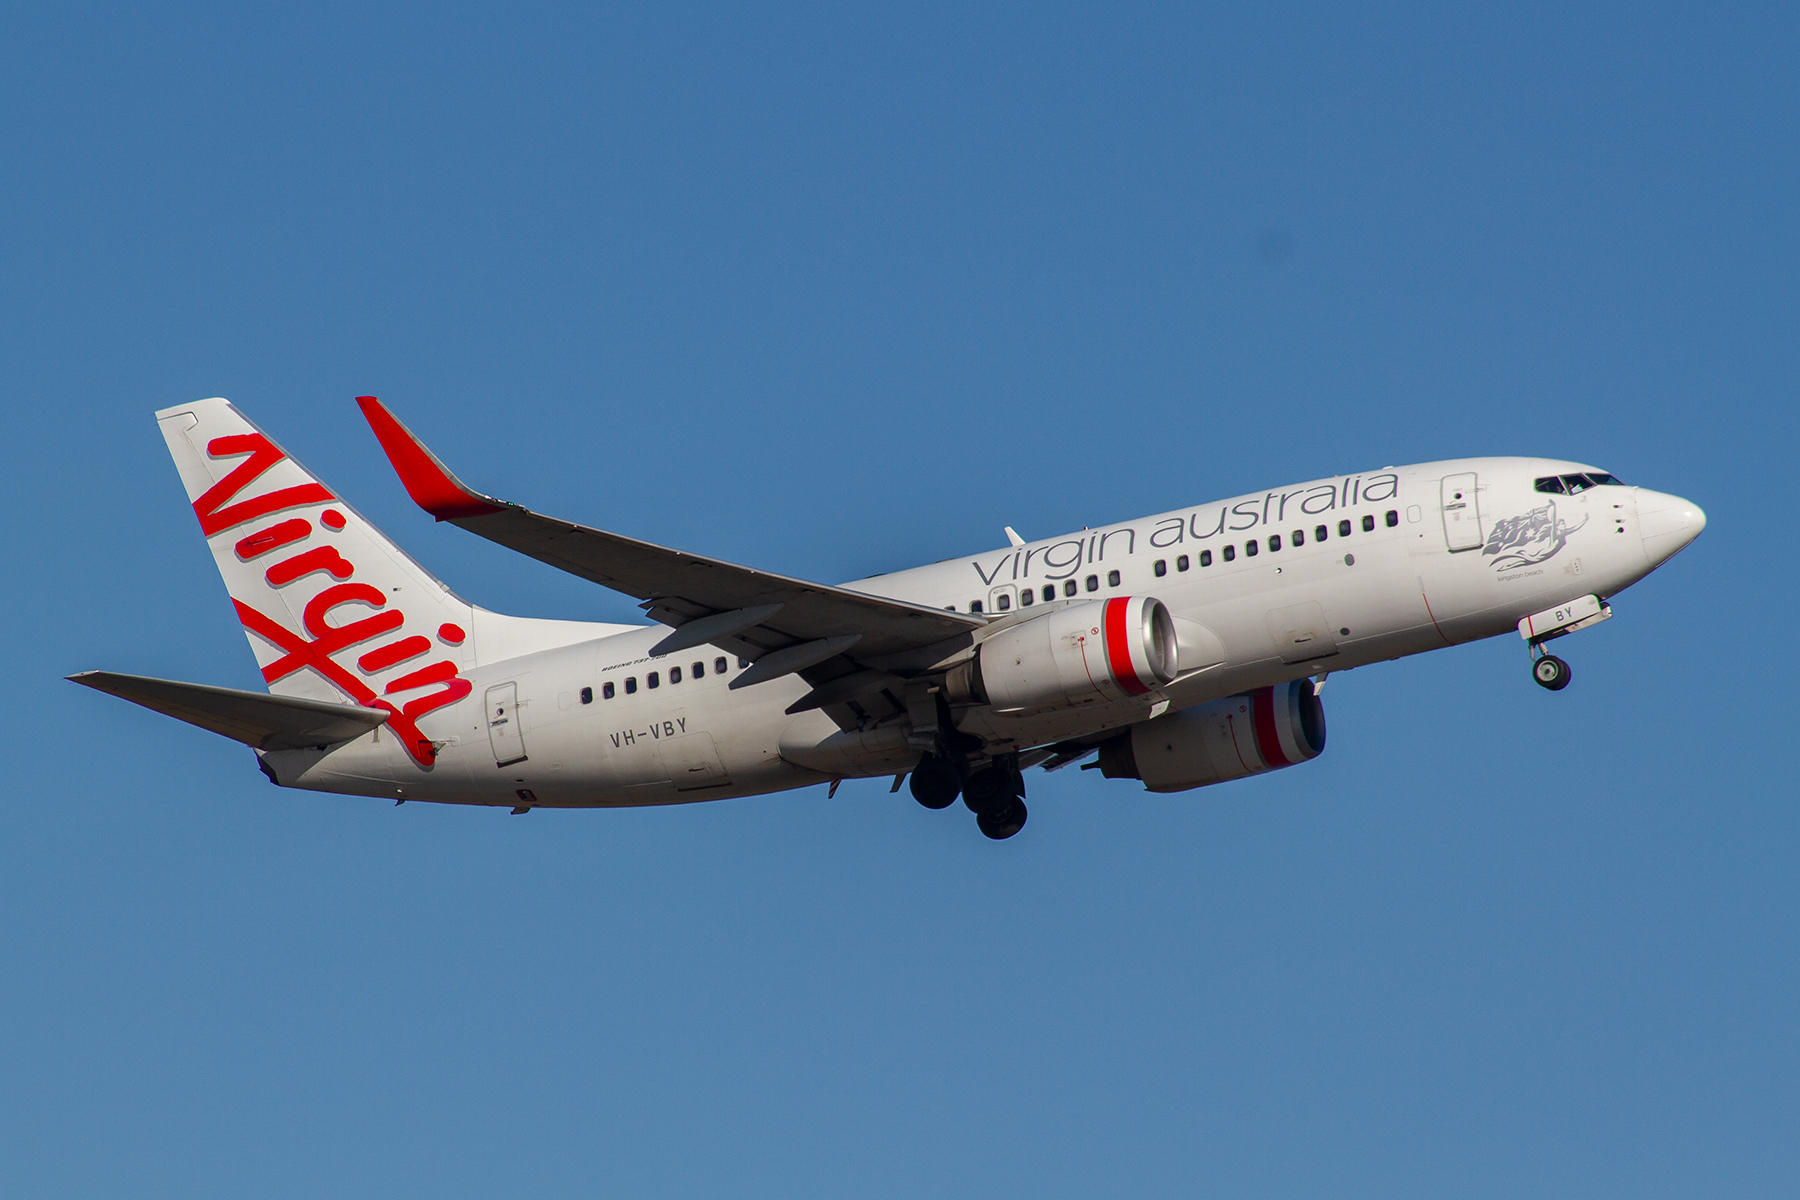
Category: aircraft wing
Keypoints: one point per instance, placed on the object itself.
(782, 624)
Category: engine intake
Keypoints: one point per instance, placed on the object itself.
(1091, 653)
(1264, 730)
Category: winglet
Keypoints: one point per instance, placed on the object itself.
(430, 484)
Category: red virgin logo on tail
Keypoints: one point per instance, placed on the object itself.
(300, 652)
(263, 455)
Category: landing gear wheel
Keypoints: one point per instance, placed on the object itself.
(1551, 672)
(1001, 823)
(988, 788)
(934, 783)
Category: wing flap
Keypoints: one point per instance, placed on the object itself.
(254, 718)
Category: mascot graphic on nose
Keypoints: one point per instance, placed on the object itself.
(1532, 538)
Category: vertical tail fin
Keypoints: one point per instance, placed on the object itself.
(332, 608)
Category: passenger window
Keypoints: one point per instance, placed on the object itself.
(1299, 538)
(606, 691)
(674, 675)
(1228, 553)
(1112, 579)
(652, 680)
(1003, 602)
(1343, 529)
(1049, 592)
(1069, 588)
(974, 606)
(1026, 597)
(587, 695)
(1393, 518)
(1161, 568)
(1321, 533)
(699, 670)
(630, 684)
(742, 662)
(719, 665)
(1250, 548)
(1369, 523)
(1550, 484)
(1274, 541)
(1206, 558)
(1181, 562)
(1093, 583)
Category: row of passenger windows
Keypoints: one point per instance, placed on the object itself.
(654, 679)
(1028, 597)
(1568, 485)
(1228, 553)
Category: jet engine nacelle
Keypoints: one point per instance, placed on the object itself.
(1264, 730)
(1090, 653)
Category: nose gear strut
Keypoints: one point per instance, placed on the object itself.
(1551, 672)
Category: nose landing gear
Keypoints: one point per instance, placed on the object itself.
(1551, 672)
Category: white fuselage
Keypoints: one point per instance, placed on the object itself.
(1295, 606)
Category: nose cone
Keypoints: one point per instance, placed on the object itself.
(1667, 523)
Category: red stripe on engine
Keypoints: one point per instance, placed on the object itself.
(1118, 647)
(1262, 707)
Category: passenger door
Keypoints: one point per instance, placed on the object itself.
(505, 732)
(1462, 513)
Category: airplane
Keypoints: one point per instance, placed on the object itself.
(1180, 650)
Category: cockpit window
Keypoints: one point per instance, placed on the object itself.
(1569, 485)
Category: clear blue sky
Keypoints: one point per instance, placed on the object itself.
(842, 289)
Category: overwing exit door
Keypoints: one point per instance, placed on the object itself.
(1462, 514)
(692, 761)
(1300, 632)
(505, 734)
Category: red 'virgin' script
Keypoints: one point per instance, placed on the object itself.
(217, 514)
(216, 517)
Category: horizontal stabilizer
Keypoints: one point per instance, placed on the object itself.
(253, 718)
